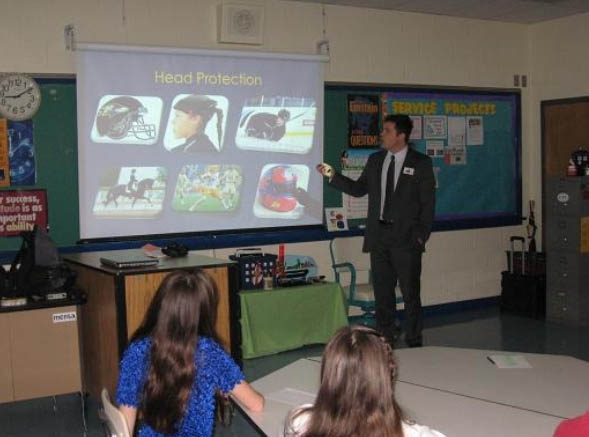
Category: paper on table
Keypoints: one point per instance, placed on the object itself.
(509, 361)
(153, 251)
(292, 396)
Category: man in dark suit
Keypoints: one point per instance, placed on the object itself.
(400, 184)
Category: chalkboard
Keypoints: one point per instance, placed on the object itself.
(472, 135)
(56, 159)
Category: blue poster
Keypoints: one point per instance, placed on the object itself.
(21, 153)
(363, 120)
(473, 142)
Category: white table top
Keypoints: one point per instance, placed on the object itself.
(557, 385)
(302, 375)
(461, 416)
(452, 414)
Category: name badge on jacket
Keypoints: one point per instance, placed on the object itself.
(408, 170)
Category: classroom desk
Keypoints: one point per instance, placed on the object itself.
(452, 410)
(555, 385)
(287, 318)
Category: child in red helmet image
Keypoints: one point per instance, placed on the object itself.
(277, 188)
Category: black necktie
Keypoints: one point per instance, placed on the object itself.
(387, 213)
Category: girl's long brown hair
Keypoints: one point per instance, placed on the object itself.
(356, 395)
(184, 307)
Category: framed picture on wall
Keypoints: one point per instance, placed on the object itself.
(335, 219)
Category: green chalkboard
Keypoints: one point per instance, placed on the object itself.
(56, 159)
(472, 135)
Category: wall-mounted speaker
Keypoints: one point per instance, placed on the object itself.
(240, 24)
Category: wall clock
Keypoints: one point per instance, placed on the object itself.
(20, 97)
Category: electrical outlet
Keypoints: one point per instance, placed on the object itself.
(516, 80)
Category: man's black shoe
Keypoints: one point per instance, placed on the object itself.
(414, 344)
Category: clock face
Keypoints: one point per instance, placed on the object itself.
(20, 97)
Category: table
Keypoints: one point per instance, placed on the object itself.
(555, 385)
(457, 391)
(119, 298)
(287, 318)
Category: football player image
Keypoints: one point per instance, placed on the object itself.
(191, 117)
(268, 126)
(208, 188)
(127, 120)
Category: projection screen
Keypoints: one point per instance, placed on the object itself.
(180, 141)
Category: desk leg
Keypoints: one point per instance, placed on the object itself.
(84, 411)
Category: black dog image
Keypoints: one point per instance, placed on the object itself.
(121, 190)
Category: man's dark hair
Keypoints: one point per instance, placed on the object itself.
(403, 124)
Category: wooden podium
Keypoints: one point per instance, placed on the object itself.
(117, 300)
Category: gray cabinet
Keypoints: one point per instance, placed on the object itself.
(567, 269)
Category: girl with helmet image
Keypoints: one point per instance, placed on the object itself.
(191, 116)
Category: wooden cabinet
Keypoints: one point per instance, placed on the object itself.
(117, 300)
(6, 392)
(39, 353)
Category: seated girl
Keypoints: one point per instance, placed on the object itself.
(357, 392)
(173, 365)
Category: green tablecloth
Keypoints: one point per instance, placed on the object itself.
(287, 318)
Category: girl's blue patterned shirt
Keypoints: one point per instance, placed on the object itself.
(214, 370)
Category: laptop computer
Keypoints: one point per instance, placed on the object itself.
(126, 261)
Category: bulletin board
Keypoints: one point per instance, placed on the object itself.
(51, 160)
(473, 137)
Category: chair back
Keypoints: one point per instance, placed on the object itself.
(349, 250)
(114, 420)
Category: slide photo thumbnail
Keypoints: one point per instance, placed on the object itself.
(127, 120)
(131, 192)
(277, 124)
(278, 190)
(196, 123)
(208, 188)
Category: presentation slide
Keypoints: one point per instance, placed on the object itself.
(177, 141)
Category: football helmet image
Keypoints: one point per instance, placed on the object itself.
(123, 116)
(277, 188)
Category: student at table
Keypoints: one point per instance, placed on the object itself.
(356, 395)
(173, 366)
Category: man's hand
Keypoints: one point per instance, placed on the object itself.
(325, 169)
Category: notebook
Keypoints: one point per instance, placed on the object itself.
(125, 261)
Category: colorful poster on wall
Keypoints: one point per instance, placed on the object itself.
(4, 168)
(21, 210)
(355, 207)
(363, 117)
(472, 140)
(21, 155)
